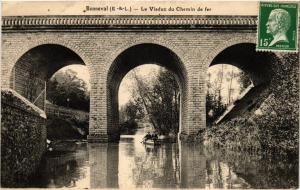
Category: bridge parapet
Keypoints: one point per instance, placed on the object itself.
(127, 22)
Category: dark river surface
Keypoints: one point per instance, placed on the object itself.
(130, 164)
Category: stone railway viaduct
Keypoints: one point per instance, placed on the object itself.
(35, 47)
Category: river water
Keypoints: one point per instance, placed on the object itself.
(130, 164)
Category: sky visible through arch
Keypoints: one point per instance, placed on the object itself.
(125, 86)
(144, 71)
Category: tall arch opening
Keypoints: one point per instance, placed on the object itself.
(257, 66)
(33, 73)
(135, 56)
(225, 84)
(34, 68)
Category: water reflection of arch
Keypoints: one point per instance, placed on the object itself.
(104, 163)
(192, 166)
(80, 158)
(157, 167)
(62, 170)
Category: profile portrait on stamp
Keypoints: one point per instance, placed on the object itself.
(278, 24)
(277, 28)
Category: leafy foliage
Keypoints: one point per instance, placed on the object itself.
(156, 100)
(214, 108)
(61, 128)
(280, 126)
(238, 134)
(129, 113)
(165, 103)
(66, 89)
(244, 80)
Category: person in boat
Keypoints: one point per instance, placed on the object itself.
(154, 136)
(148, 136)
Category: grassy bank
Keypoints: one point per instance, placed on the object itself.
(248, 135)
(59, 128)
(237, 135)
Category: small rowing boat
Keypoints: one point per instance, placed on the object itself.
(150, 142)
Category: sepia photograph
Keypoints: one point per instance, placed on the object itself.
(150, 94)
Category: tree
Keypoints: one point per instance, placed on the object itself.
(244, 80)
(230, 76)
(66, 89)
(214, 99)
(220, 92)
(159, 99)
(167, 110)
(133, 111)
(214, 108)
(129, 113)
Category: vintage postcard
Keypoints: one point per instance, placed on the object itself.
(150, 94)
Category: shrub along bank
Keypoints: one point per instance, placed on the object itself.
(65, 128)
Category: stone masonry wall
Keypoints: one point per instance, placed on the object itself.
(23, 138)
(23, 77)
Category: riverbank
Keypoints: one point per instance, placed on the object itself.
(65, 128)
(248, 135)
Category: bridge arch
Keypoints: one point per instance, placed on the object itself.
(258, 65)
(35, 67)
(134, 56)
(246, 43)
(218, 48)
(30, 44)
(145, 40)
(260, 68)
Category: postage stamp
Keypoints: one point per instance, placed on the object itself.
(277, 27)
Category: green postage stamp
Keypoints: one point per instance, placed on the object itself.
(277, 27)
